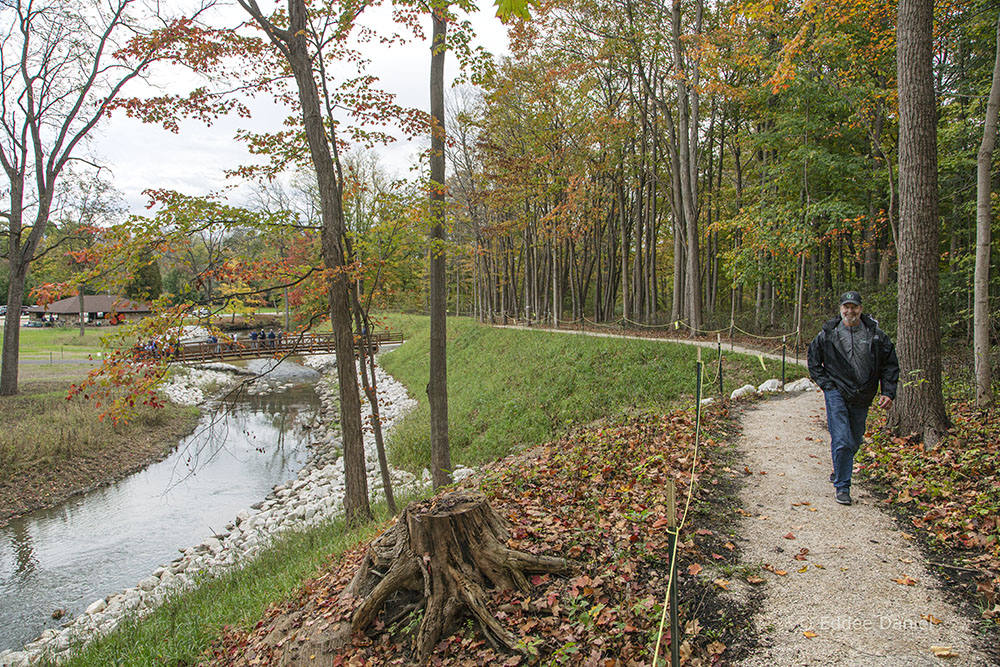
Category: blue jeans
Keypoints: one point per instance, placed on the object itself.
(847, 430)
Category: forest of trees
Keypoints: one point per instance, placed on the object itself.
(711, 163)
(705, 166)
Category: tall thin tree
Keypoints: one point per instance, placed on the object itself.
(437, 387)
(294, 42)
(981, 300)
(920, 404)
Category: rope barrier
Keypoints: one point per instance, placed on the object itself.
(687, 504)
(647, 326)
(681, 323)
(747, 333)
(603, 324)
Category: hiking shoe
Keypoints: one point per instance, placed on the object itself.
(844, 497)
(831, 477)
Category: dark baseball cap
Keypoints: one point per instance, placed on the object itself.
(850, 297)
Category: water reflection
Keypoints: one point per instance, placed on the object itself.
(110, 538)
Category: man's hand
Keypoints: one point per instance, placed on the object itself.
(884, 402)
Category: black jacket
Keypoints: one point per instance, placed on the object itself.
(830, 369)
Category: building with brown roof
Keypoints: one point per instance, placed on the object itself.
(97, 309)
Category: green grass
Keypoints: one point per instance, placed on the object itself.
(61, 342)
(181, 630)
(512, 388)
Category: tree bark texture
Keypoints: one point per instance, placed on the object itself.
(919, 407)
(442, 555)
(981, 308)
(437, 386)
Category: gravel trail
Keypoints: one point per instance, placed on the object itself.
(860, 594)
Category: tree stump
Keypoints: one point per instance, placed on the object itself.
(442, 555)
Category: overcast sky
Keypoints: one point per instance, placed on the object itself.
(146, 156)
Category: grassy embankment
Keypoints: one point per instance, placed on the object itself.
(50, 447)
(506, 389)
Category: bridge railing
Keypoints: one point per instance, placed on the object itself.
(246, 348)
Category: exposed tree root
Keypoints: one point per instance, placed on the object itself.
(443, 554)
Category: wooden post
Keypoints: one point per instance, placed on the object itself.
(718, 342)
(783, 348)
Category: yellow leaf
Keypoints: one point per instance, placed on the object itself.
(810, 634)
(804, 568)
(722, 583)
(931, 618)
(943, 652)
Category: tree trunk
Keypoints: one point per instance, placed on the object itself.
(79, 296)
(293, 42)
(366, 364)
(12, 328)
(920, 405)
(437, 386)
(981, 311)
(442, 555)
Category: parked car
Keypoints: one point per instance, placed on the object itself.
(33, 324)
(3, 309)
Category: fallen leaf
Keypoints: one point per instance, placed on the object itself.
(905, 560)
(754, 580)
(804, 568)
(716, 648)
(694, 569)
(722, 583)
(943, 652)
(811, 509)
(905, 580)
(931, 618)
(692, 627)
(810, 634)
(780, 573)
(801, 555)
(685, 651)
(789, 536)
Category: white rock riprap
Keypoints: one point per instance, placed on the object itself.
(802, 384)
(768, 386)
(187, 386)
(315, 496)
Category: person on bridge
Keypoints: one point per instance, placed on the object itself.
(849, 358)
(253, 339)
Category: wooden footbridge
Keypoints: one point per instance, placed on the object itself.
(280, 346)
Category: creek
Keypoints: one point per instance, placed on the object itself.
(109, 538)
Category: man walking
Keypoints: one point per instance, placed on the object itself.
(849, 359)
